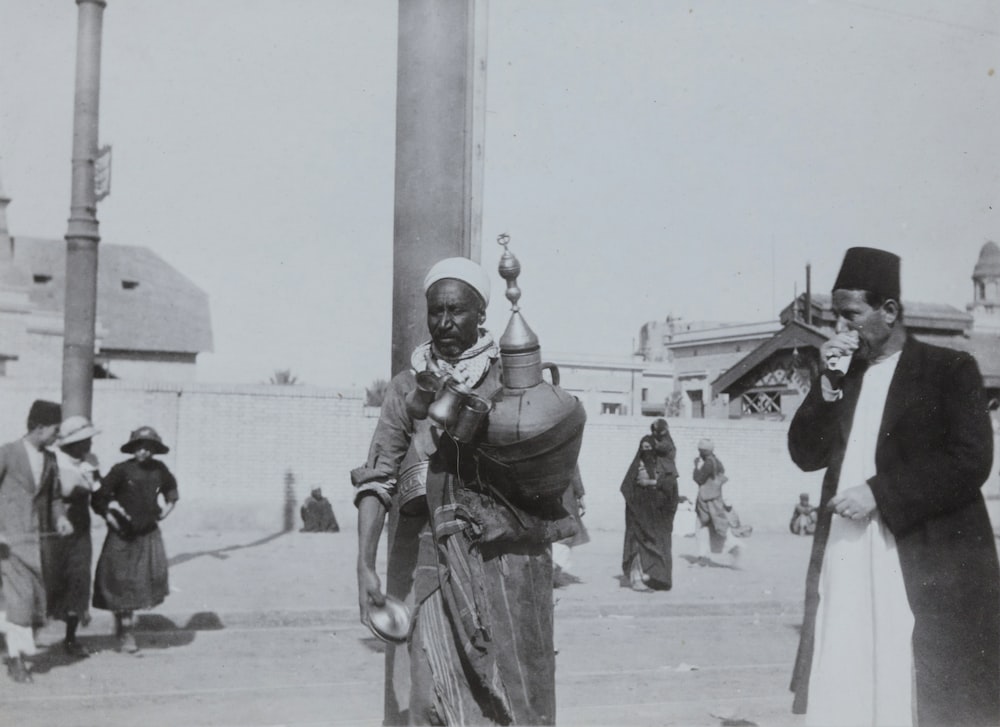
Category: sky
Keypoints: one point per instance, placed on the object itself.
(647, 157)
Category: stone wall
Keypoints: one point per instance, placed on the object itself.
(232, 448)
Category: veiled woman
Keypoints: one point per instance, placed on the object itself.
(650, 492)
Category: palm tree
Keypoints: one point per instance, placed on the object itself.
(375, 394)
(283, 377)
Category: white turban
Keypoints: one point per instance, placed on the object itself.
(460, 268)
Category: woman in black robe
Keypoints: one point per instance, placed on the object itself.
(650, 492)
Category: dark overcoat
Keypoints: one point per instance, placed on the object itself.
(934, 451)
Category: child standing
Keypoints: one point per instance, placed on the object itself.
(132, 570)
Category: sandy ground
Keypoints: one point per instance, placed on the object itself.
(262, 630)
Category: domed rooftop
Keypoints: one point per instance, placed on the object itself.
(989, 262)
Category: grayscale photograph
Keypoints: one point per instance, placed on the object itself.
(499, 362)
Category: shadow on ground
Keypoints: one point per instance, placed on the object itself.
(707, 562)
(152, 631)
(374, 645)
(220, 553)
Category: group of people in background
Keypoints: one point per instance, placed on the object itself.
(50, 482)
(901, 621)
(652, 499)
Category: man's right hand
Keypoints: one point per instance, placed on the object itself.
(842, 344)
(369, 592)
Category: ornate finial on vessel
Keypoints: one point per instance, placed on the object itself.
(519, 349)
(510, 268)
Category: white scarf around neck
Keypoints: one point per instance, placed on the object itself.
(470, 366)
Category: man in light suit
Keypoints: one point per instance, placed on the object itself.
(28, 511)
(902, 612)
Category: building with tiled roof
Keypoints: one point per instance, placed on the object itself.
(697, 353)
(772, 380)
(152, 321)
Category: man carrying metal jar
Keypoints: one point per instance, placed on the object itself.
(472, 516)
(393, 478)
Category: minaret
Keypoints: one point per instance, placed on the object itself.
(985, 305)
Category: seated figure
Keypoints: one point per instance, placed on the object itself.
(803, 517)
(317, 514)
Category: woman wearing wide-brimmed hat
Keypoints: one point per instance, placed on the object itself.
(132, 570)
(67, 558)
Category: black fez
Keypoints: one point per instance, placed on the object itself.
(867, 268)
(44, 414)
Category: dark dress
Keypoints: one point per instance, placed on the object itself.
(132, 570)
(650, 511)
(67, 559)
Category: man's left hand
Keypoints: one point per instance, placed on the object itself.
(581, 507)
(854, 503)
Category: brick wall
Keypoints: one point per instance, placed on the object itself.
(231, 447)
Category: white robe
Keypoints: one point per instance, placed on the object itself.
(862, 667)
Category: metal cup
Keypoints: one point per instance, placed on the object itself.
(448, 404)
(419, 400)
(470, 417)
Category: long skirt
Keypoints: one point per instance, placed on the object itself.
(649, 531)
(131, 573)
(67, 575)
(510, 677)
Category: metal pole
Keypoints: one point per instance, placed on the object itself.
(82, 235)
(809, 295)
(440, 122)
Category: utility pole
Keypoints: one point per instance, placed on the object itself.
(440, 113)
(82, 235)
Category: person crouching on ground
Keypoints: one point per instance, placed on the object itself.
(67, 559)
(132, 570)
(317, 514)
(803, 520)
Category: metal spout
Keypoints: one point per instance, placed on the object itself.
(520, 352)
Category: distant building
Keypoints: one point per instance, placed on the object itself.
(623, 386)
(698, 353)
(152, 321)
(771, 380)
(985, 305)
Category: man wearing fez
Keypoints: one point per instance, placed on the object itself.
(480, 645)
(902, 608)
(29, 511)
